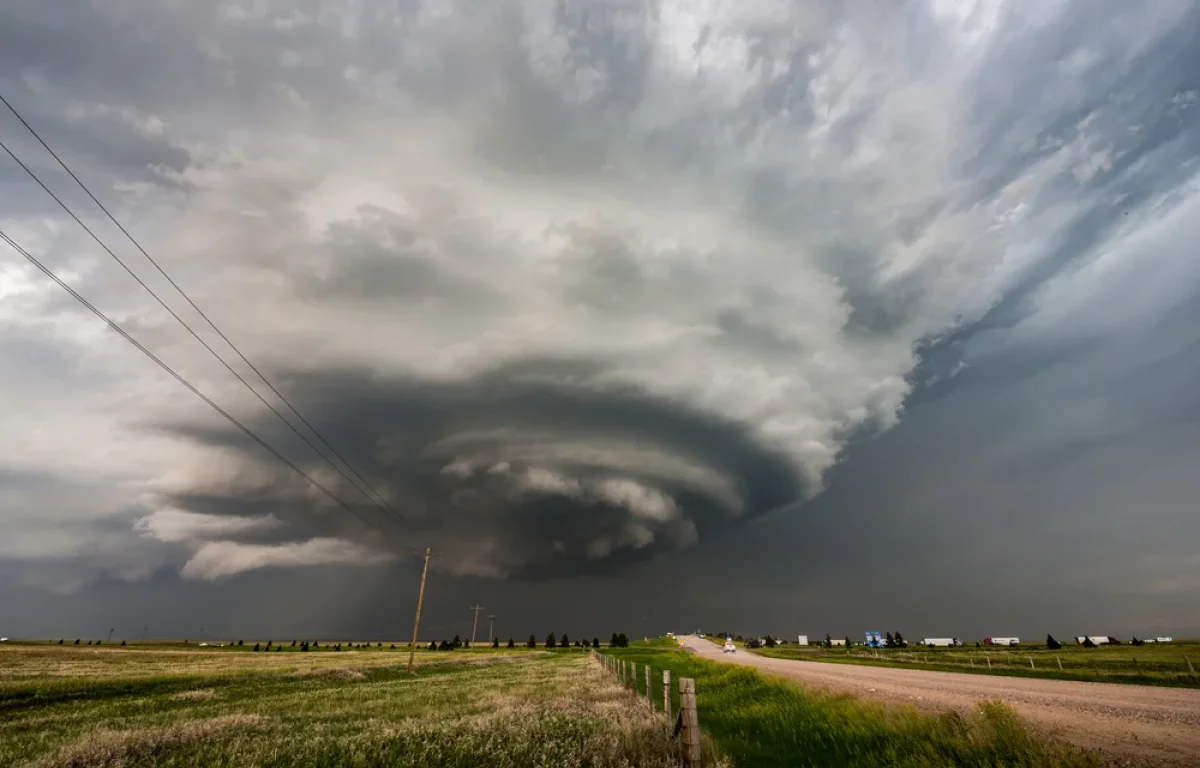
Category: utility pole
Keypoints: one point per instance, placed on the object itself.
(477, 608)
(491, 623)
(412, 649)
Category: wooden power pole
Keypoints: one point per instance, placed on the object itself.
(491, 623)
(477, 608)
(412, 649)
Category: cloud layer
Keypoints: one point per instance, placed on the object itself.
(570, 283)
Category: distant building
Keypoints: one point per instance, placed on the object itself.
(801, 639)
(836, 641)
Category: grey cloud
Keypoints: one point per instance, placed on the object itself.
(600, 511)
(617, 281)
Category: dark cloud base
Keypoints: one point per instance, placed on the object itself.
(389, 427)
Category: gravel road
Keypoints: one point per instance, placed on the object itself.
(1133, 725)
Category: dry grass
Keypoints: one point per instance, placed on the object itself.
(548, 709)
(112, 749)
(206, 694)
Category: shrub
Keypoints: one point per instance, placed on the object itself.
(432, 646)
(595, 642)
(550, 641)
(532, 642)
(511, 644)
(496, 642)
(256, 648)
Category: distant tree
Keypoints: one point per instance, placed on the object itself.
(268, 644)
(337, 647)
(1087, 643)
(848, 643)
(739, 638)
(889, 640)
(622, 641)
(456, 642)
(532, 642)
(566, 641)
(89, 642)
(60, 642)
(612, 643)
(316, 644)
(432, 645)
(1052, 644)
(1113, 641)
(256, 648)
(122, 643)
(76, 641)
(595, 642)
(1135, 641)
(900, 640)
(278, 648)
(770, 642)
(550, 642)
(445, 646)
(239, 642)
(511, 643)
(828, 641)
(496, 642)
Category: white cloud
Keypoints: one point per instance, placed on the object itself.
(220, 559)
(181, 526)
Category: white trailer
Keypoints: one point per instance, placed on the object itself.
(1096, 639)
(1163, 639)
(1002, 641)
(941, 642)
(801, 639)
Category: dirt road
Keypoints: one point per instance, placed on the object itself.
(1134, 725)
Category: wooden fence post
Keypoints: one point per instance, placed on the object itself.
(649, 690)
(1191, 669)
(988, 659)
(1031, 663)
(690, 734)
(667, 694)
(1059, 660)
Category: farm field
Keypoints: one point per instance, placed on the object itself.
(174, 706)
(761, 720)
(1167, 664)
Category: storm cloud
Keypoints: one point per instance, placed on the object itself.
(580, 286)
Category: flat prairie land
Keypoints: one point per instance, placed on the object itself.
(68, 707)
(1170, 664)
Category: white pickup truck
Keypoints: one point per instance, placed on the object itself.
(729, 646)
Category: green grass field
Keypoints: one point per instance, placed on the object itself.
(67, 707)
(765, 722)
(1165, 664)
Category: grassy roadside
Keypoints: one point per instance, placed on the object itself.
(1147, 665)
(352, 710)
(766, 722)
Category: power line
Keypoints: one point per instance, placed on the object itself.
(370, 493)
(175, 375)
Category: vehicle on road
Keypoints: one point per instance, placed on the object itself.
(941, 642)
(729, 646)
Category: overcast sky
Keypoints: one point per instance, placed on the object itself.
(769, 316)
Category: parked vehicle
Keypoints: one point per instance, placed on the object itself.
(1002, 641)
(941, 642)
(729, 646)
